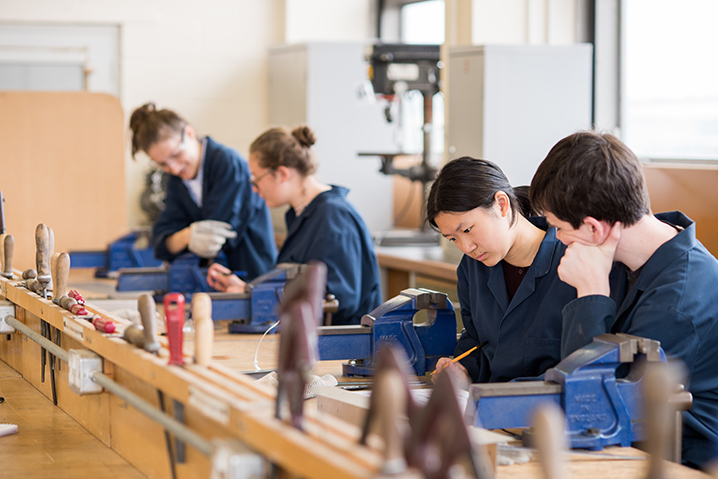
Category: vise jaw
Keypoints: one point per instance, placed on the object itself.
(393, 322)
(598, 386)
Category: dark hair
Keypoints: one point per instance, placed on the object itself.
(591, 174)
(278, 147)
(467, 183)
(150, 125)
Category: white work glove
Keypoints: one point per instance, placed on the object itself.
(208, 236)
(311, 389)
(507, 455)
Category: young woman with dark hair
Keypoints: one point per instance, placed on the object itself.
(510, 294)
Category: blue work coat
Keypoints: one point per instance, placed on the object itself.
(524, 335)
(674, 301)
(330, 230)
(226, 196)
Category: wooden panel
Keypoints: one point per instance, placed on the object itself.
(63, 164)
(690, 189)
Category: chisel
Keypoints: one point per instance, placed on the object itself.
(8, 251)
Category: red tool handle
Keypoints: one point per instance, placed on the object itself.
(174, 317)
(104, 325)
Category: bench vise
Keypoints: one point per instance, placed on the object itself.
(121, 253)
(393, 322)
(183, 275)
(599, 387)
(255, 310)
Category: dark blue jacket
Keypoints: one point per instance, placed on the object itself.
(524, 336)
(330, 230)
(674, 301)
(226, 196)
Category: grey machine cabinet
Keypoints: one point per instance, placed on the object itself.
(511, 103)
(321, 85)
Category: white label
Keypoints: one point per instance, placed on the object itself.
(211, 407)
(73, 329)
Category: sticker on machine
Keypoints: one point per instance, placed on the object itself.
(211, 407)
(73, 329)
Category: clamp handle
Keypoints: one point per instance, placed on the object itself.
(146, 306)
(9, 249)
(203, 328)
(174, 317)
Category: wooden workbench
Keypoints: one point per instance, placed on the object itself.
(233, 352)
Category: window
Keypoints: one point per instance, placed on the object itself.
(670, 103)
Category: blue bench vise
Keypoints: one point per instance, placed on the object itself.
(121, 253)
(393, 322)
(255, 310)
(599, 387)
(183, 275)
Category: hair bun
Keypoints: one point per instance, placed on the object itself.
(304, 135)
(140, 114)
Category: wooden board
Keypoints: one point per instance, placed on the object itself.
(63, 164)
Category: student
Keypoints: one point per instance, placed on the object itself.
(510, 294)
(321, 224)
(209, 204)
(591, 188)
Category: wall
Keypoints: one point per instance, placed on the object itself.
(207, 61)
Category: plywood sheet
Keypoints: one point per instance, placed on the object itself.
(690, 189)
(62, 164)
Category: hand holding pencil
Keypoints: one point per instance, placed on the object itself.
(454, 364)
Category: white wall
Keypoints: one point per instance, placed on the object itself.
(208, 60)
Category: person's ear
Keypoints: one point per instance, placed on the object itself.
(282, 173)
(503, 203)
(598, 229)
(190, 132)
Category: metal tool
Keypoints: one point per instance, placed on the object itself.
(174, 318)
(393, 322)
(300, 312)
(598, 386)
(121, 253)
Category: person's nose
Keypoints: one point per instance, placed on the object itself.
(466, 245)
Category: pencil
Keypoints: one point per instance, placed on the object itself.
(461, 356)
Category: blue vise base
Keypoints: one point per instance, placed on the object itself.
(393, 322)
(601, 409)
(183, 275)
(121, 253)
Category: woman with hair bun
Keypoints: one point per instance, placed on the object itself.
(321, 224)
(510, 293)
(209, 205)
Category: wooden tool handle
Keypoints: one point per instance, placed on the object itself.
(657, 384)
(550, 440)
(133, 334)
(62, 274)
(53, 272)
(147, 308)
(42, 255)
(9, 244)
(2, 251)
(203, 328)
(174, 317)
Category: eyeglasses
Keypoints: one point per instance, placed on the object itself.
(255, 181)
(174, 156)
